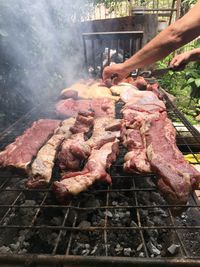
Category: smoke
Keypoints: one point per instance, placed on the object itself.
(40, 47)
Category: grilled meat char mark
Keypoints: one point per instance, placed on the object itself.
(94, 170)
(20, 153)
(41, 169)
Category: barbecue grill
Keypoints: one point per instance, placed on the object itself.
(99, 46)
(123, 224)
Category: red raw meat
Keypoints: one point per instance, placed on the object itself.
(95, 169)
(20, 153)
(101, 107)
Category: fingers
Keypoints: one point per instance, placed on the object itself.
(107, 73)
(173, 61)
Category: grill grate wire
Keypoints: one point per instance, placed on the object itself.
(12, 196)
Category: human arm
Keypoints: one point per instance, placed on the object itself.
(181, 60)
(174, 36)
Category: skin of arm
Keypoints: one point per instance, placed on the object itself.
(180, 61)
(174, 36)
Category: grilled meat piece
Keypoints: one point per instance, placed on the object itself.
(150, 138)
(101, 106)
(105, 130)
(87, 89)
(20, 153)
(176, 175)
(73, 152)
(84, 122)
(136, 159)
(42, 167)
(95, 169)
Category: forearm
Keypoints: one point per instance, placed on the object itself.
(176, 35)
(195, 55)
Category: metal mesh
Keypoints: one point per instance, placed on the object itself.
(51, 229)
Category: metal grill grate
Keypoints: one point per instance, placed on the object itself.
(52, 231)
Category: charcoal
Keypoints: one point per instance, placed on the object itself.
(127, 252)
(173, 249)
(141, 255)
(15, 246)
(57, 221)
(94, 250)
(140, 247)
(153, 249)
(85, 252)
(5, 249)
(108, 213)
(84, 224)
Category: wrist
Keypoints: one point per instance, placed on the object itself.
(128, 67)
(195, 54)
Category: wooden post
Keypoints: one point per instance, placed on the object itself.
(178, 9)
(170, 19)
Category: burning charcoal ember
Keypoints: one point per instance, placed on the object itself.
(102, 107)
(173, 249)
(42, 167)
(28, 144)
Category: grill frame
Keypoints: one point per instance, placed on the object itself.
(99, 40)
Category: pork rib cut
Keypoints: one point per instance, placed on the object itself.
(41, 169)
(151, 141)
(176, 176)
(20, 153)
(75, 149)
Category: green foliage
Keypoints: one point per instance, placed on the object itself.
(185, 86)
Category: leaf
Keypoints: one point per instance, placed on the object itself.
(191, 80)
(197, 82)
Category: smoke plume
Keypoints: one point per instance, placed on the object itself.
(40, 49)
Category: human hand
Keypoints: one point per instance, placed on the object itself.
(114, 74)
(180, 61)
